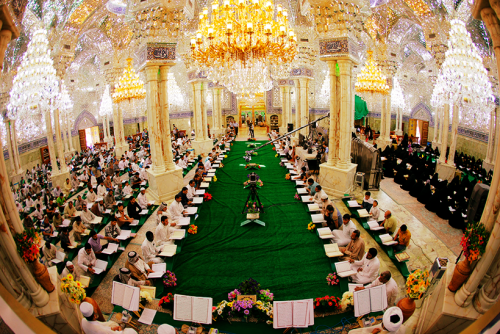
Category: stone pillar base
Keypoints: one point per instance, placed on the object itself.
(440, 313)
(382, 144)
(488, 166)
(120, 149)
(15, 178)
(202, 147)
(445, 171)
(336, 181)
(165, 185)
(59, 314)
(59, 179)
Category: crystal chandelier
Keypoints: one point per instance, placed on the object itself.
(175, 97)
(129, 86)
(371, 84)
(64, 102)
(106, 108)
(157, 22)
(397, 97)
(337, 16)
(238, 42)
(35, 88)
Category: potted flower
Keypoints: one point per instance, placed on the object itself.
(332, 279)
(287, 177)
(145, 297)
(207, 197)
(416, 285)
(28, 246)
(233, 294)
(74, 289)
(167, 302)
(473, 245)
(347, 300)
(297, 197)
(169, 279)
(266, 295)
(311, 226)
(327, 304)
(243, 308)
(193, 229)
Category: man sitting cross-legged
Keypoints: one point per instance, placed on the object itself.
(355, 249)
(367, 267)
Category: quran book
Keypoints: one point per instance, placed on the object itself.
(344, 269)
(403, 256)
(306, 199)
(353, 204)
(184, 221)
(197, 200)
(178, 235)
(374, 226)
(55, 234)
(325, 233)
(301, 191)
(135, 222)
(168, 250)
(195, 309)
(353, 286)
(299, 183)
(147, 316)
(293, 313)
(144, 212)
(85, 280)
(124, 235)
(332, 250)
(100, 266)
(59, 257)
(112, 248)
(204, 184)
(313, 207)
(86, 232)
(363, 213)
(210, 175)
(192, 210)
(125, 296)
(317, 218)
(200, 192)
(387, 239)
(370, 300)
(66, 222)
(149, 289)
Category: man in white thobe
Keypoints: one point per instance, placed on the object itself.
(343, 237)
(318, 195)
(163, 231)
(367, 267)
(150, 249)
(87, 216)
(90, 324)
(71, 269)
(87, 259)
(191, 190)
(391, 287)
(91, 196)
(142, 199)
(101, 190)
(176, 209)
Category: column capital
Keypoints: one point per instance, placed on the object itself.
(152, 72)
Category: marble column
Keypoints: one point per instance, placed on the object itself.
(15, 148)
(382, 121)
(204, 115)
(303, 105)
(122, 129)
(154, 117)
(487, 295)
(497, 127)
(168, 158)
(446, 171)
(446, 125)
(70, 136)
(297, 107)
(334, 131)
(285, 98)
(454, 135)
(64, 135)
(9, 147)
(197, 106)
(104, 128)
(50, 144)
(216, 110)
(436, 119)
(60, 147)
(488, 161)
(7, 278)
(440, 128)
(388, 118)
(401, 121)
(345, 67)
(202, 145)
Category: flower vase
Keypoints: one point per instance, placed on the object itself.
(407, 306)
(41, 275)
(460, 275)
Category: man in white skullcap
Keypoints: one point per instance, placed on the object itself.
(392, 323)
(90, 325)
(166, 329)
(70, 269)
(142, 199)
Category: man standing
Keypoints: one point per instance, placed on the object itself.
(367, 267)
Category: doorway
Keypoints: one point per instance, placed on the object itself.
(89, 137)
(418, 131)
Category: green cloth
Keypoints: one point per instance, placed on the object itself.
(361, 110)
(284, 256)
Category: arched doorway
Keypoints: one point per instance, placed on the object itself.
(252, 111)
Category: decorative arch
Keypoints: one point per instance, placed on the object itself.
(422, 112)
(84, 120)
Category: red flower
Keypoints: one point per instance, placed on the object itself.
(330, 304)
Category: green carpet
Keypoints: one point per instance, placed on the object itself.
(283, 256)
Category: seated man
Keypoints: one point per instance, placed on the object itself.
(311, 186)
(109, 200)
(123, 220)
(184, 200)
(98, 208)
(391, 287)
(138, 267)
(117, 179)
(70, 269)
(150, 249)
(87, 216)
(367, 201)
(87, 259)
(392, 322)
(51, 209)
(79, 203)
(355, 248)
(119, 193)
(163, 231)
(367, 267)
(403, 238)
(78, 229)
(75, 183)
(176, 209)
(38, 213)
(136, 181)
(318, 194)
(107, 182)
(91, 325)
(191, 193)
(127, 190)
(91, 196)
(331, 217)
(325, 202)
(142, 200)
(69, 211)
(112, 230)
(49, 253)
(375, 211)
(343, 237)
(134, 209)
(389, 223)
(67, 188)
(101, 190)
(126, 278)
(95, 243)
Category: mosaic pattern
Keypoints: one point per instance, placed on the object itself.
(160, 51)
(339, 47)
(314, 111)
(276, 97)
(301, 72)
(186, 114)
(423, 112)
(84, 117)
(285, 82)
(200, 75)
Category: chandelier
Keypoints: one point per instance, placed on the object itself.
(397, 97)
(239, 40)
(371, 84)
(106, 107)
(157, 23)
(129, 86)
(337, 16)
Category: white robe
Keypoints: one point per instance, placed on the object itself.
(101, 191)
(343, 237)
(370, 270)
(176, 209)
(149, 252)
(162, 235)
(142, 201)
(375, 212)
(317, 198)
(84, 259)
(91, 196)
(87, 216)
(98, 327)
(369, 330)
(391, 288)
(127, 190)
(191, 192)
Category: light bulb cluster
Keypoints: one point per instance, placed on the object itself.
(397, 96)
(129, 86)
(371, 84)
(106, 108)
(35, 88)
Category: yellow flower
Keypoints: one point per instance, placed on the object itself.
(70, 277)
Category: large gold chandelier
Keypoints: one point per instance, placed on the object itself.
(371, 83)
(240, 41)
(129, 86)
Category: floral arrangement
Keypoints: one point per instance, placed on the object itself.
(252, 207)
(276, 155)
(193, 229)
(327, 303)
(225, 155)
(347, 300)
(474, 241)
(252, 166)
(249, 287)
(73, 289)
(215, 179)
(28, 244)
(287, 177)
(297, 197)
(332, 279)
(266, 295)
(417, 283)
(207, 197)
(167, 301)
(311, 226)
(233, 294)
(282, 164)
(145, 297)
(169, 279)
(274, 148)
(221, 165)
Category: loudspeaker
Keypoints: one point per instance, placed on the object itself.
(290, 127)
(313, 125)
(477, 202)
